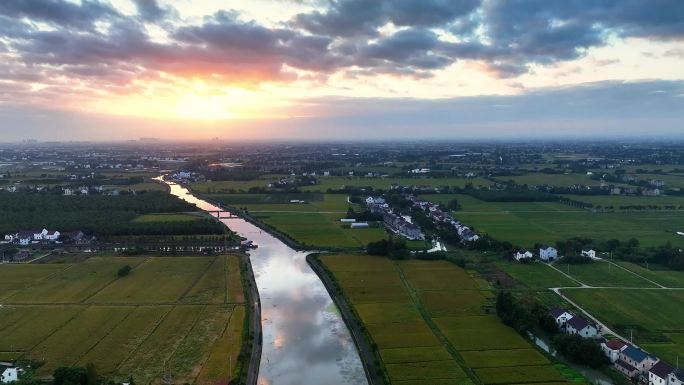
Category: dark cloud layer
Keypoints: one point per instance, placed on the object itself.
(92, 40)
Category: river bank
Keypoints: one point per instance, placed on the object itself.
(362, 343)
(304, 338)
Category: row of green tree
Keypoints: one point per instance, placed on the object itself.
(100, 215)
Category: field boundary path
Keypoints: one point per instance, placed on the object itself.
(634, 272)
(603, 328)
(434, 328)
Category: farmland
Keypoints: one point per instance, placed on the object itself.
(604, 274)
(187, 312)
(654, 317)
(528, 223)
(314, 223)
(431, 321)
(617, 201)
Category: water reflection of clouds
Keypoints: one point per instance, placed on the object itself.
(305, 339)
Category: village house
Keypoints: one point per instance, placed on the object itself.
(52, 235)
(522, 255)
(612, 349)
(39, 235)
(9, 374)
(676, 377)
(626, 369)
(548, 253)
(637, 358)
(660, 373)
(656, 182)
(359, 225)
(580, 326)
(589, 253)
(561, 316)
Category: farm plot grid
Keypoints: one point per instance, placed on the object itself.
(433, 324)
(183, 312)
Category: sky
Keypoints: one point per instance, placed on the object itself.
(340, 69)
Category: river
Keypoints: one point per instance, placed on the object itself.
(305, 340)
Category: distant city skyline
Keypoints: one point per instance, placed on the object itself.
(340, 69)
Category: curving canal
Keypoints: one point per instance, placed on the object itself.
(305, 340)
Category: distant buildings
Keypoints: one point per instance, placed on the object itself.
(393, 222)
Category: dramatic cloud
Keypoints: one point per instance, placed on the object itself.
(92, 49)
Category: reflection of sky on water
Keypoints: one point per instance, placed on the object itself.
(305, 339)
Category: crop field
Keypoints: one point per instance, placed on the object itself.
(527, 223)
(315, 223)
(620, 200)
(185, 311)
(603, 274)
(535, 275)
(431, 323)
(668, 351)
(559, 180)
(654, 315)
(658, 274)
(146, 218)
(74, 284)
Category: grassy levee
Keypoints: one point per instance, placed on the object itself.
(185, 314)
(430, 322)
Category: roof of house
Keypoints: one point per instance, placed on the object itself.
(546, 247)
(615, 344)
(662, 369)
(557, 312)
(635, 354)
(578, 323)
(679, 373)
(625, 365)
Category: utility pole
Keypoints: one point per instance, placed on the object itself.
(167, 375)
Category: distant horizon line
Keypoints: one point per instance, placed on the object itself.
(537, 139)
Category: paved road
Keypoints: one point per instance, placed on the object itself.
(604, 329)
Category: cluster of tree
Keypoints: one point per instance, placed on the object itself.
(575, 245)
(587, 190)
(529, 315)
(76, 375)
(392, 247)
(649, 207)
(665, 255)
(524, 314)
(511, 195)
(105, 216)
(583, 351)
(124, 271)
(575, 203)
(362, 216)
